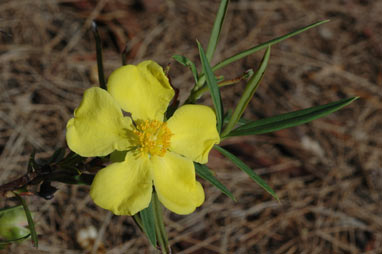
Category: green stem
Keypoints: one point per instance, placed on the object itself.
(202, 90)
(196, 94)
(29, 219)
(159, 225)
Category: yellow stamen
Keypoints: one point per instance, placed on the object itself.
(153, 137)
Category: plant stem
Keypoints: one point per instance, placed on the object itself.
(159, 225)
(196, 94)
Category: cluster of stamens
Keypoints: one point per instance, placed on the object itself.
(153, 137)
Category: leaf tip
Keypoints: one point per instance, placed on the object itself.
(355, 98)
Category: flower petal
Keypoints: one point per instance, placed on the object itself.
(142, 90)
(174, 181)
(124, 188)
(194, 132)
(98, 126)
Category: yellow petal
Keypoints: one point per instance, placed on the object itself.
(194, 132)
(124, 188)
(98, 126)
(142, 90)
(174, 181)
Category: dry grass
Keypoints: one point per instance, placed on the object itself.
(327, 173)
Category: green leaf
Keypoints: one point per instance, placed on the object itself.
(30, 220)
(148, 223)
(188, 63)
(248, 93)
(68, 178)
(13, 240)
(32, 162)
(264, 45)
(160, 228)
(12, 221)
(213, 87)
(218, 24)
(241, 121)
(204, 172)
(101, 75)
(71, 159)
(247, 170)
(288, 120)
(57, 156)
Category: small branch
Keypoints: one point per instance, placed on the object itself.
(195, 95)
(68, 171)
(18, 183)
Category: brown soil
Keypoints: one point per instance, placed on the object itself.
(327, 173)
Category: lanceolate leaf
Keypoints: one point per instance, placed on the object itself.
(148, 223)
(160, 228)
(57, 156)
(188, 63)
(218, 24)
(247, 170)
(288, 120)
(264, 45)
(213, 87)
(204, 172)
(101, 75)
(248, 93)
(30, 220)
(241, 121)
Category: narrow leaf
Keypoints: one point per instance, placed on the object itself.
(32, 162)
(248, 93)
(148, 223)
(241, 121)
(213, 87)
(291, 119)
(218, 24)
(247, 170)
(30, 220)
(101, 75)
(264, 45)
(188, 63)
(57, 156)
(72, 159)
(125, 51)
(204, 172)
(68, 178)
(160, 228)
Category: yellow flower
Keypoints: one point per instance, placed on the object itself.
(156, 152)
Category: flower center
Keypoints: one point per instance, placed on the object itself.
(153, 137)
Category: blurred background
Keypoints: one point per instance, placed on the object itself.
(327, 173)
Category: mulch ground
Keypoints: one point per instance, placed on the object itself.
(327, 173)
